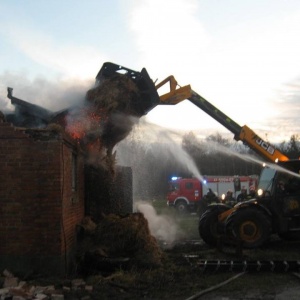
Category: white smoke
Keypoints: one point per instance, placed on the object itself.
(52, 94)
(162, 227)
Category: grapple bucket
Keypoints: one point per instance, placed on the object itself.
(149, 97)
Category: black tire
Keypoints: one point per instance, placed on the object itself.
(181, 207)
(209, 227)
(249, 225)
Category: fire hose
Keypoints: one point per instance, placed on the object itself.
(198, 295)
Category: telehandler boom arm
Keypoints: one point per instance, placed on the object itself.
(241, 133)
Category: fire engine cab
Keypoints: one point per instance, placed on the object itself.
(185, 194)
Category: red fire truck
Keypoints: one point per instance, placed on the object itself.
(185, 194)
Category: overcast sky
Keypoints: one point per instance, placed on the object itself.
(241, 55)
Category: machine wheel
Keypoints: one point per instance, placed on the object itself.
(181, 207)
(209, 227)
(249, 225)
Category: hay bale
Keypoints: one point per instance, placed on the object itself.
(115, 100)
(125, 236)
(131, 235)
(117, 94)
(88, 225)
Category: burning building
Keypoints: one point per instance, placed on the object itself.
(58, 167)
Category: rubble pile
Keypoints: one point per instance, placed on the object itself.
(16, 289)
(117, 240)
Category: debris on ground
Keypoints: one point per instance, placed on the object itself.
(117, 241)
(176, 279)
(16, 289)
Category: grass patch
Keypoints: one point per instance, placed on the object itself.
(189, 226)
(161, 207)
(187, 223)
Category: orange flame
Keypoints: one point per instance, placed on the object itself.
(80, 127)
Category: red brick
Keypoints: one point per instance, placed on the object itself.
(35, 196)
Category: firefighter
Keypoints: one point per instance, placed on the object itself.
(211, 197)
(208, 199)
(243, 195)
(202, 205)
(229, 199)
(281, 187)
(251, 193)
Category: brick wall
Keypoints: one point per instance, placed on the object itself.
(39, 202)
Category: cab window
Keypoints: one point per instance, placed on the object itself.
(173, 186)
(189, 185)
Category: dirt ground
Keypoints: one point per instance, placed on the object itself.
(182, 275)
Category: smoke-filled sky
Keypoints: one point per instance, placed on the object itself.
(242, 56)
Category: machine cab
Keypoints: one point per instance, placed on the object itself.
(281, 184)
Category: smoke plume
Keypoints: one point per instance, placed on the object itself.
(162, 227)
(53, 94)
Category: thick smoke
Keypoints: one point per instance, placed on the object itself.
(53, 94)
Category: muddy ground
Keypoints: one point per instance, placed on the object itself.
(182, 275)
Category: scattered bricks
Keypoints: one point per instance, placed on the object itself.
(57, 297)
(6, 273)
(10, 282)
(49, 289)
(40, 289)
(16, 292)
(3, 292)
(77, 283)
(85, 298)
(89, 288)
(41, 297)
(22, 284)
(66, 289)
(18, 298)
(6, 297)
(54, 292)
(31, 290)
